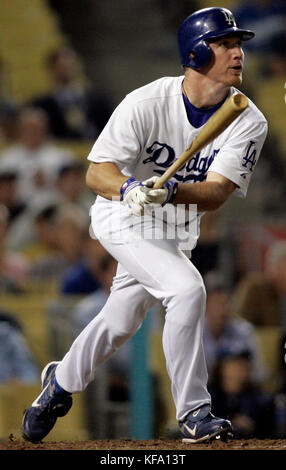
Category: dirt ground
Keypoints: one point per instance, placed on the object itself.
(157, 445)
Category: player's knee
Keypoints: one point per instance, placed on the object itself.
(195, 296)
(188, 305)
(119, 334)
(124, 318)
(118, 338)
(193, 288)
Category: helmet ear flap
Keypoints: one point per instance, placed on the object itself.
(200, 55)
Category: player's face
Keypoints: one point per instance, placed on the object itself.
(227, 61)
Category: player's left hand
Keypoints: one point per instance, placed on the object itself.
(162, 196)
(136, 195)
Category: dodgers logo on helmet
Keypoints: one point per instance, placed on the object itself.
(229, 17)
(201, 26)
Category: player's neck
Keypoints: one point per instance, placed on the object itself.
(203, 92)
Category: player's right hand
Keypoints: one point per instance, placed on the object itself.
(133, 197)
(136, 194)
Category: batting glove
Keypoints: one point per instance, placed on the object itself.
(161, 196)
(136, 194)
(133, 197)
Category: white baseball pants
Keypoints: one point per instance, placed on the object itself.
(149, 271)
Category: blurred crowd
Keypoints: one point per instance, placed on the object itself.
(45, 239)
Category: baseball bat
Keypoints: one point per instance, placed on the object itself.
(216, 124)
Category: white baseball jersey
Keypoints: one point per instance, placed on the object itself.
(150, 129)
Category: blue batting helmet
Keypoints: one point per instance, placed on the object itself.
(199, 27)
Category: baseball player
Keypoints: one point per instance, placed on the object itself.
(149, 129)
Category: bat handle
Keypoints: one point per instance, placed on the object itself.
(164, 178)
(173, 169)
